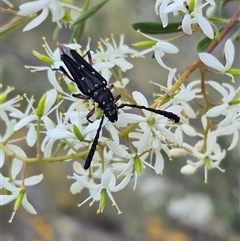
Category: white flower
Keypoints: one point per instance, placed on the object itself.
(44, 6)
(191, 16)
(209, 156)
(228, 94)
(230, 126)
(160, 6)
(196, 17)
(55, 132)
(14, 148)
(52, 58)
(134, 162)
(105, 187)
(182, 129)
(153, 134)
(160, 49)
(113, 55)
(40, 113)
(17, 191)
(214, 63)
(51, 97)
(187, 94)
(77, 187)
(182, 96)
(8, 105)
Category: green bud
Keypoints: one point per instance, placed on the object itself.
(144, 44)
(19, 199)
(103, 200)
(191, 5)
(41, 105)
(235, 102)
(3, 97)
(137, 165)
(151, 121)
(234, 72)
(207, 163)
(43, 58)
(67, 17)
(72, 88)
(77, 133)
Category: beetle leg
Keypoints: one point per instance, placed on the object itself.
(90, 113)
(80, 96)
(64, 72)
(88, 53)
(110, 86)
(116, 97)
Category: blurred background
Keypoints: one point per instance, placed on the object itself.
(171, 207)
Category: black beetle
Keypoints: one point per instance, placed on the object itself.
(93, 86)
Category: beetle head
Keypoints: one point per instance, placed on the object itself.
(111, 112)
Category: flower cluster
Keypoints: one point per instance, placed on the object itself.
(138, 141)
(191, 11)
(55, 7)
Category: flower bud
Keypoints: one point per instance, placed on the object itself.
(43, 58)
(41, 105)
(77, 133)
(103, 200)
(137, 165)
(145, 44)
(188, 170)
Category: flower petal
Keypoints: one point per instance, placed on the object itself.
(211, 61)
(229, 52)
(122, 184)
(31, 7)
(28, 206)
(186, 24)
(2, 157)
(117, 149)
(24, 122)
(37, 21)
(33, 180)
(204, 25)
(217, 110)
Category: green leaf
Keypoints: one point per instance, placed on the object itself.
(156, 27)
(56, 33)
(79, 29)
(204, 42)
(236, 36)
(12, 27)
(87, 14)
(218, 20)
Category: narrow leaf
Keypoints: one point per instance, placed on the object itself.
(204, 42)
(79, 29)
(87, 14)
(12, 27)
(156, 27)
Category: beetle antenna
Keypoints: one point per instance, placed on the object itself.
(167, 114)
(94, 146)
